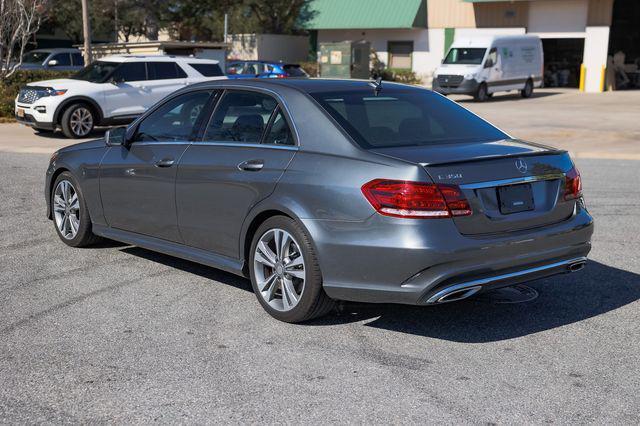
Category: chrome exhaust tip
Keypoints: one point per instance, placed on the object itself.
(576, 266)
(455, 295)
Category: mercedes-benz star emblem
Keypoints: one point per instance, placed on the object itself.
(521, 165)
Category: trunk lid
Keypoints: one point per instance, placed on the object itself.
(510, 184)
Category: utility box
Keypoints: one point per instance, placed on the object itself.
(345, 59)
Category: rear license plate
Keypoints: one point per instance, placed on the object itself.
(20, 112)
(515, 198)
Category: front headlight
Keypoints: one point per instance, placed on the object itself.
(469, 76)
(50, 91)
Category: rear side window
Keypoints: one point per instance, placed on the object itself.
(208, 70)
(279, 132)
(240, 117)
(164, 71)
(64, 60)
(294, 71)
(404, 118)
(77, 59)
(130, 71)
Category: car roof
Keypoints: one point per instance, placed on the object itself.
(57, 50)
(262, 61)
(156, 58)
(306, 85)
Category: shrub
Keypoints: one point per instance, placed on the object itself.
(9, 87)
(310, 68)
(403, 76)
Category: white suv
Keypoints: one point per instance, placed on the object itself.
(112, 90)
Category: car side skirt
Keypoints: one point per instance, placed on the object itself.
(172, 249)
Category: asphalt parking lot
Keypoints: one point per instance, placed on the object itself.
(119, 334)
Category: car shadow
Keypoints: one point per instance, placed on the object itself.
(562, 300)
(95, 134)
(511, 96)
(191, 267)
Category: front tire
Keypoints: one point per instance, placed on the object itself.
(285, 274)
(528, 89)
(482, 93)
(78, 121)
(70, 214)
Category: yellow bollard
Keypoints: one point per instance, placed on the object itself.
(603, 74)
(583, 76)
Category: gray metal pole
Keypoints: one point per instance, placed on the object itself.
(226, 26)
(86, 32)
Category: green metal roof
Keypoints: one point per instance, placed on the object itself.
(367, 14)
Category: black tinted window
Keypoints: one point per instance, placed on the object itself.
(132, 71)
(294, 71)
(279, 133)
(77, 58)
(404, 118)
(175, 120)
(164, 70)
(96, 72)
(468, 56)
(64, 60)
(240, 117)
(208, 70)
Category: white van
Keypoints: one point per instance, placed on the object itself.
(483, 65)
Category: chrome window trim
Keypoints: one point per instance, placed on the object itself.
(280, 99)
(228, 144)
(248, 145)
(512, 181)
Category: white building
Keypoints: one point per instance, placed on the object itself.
(415, 34)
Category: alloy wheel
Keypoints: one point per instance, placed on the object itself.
(66, 209)
(81, 121)
(279, 269)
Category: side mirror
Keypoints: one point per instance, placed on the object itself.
(116, 136)
(116, 80)
(488, 63)
(52, 63)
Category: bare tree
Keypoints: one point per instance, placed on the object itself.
(20, 19)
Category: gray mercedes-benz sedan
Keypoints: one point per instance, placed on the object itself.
(323, 190)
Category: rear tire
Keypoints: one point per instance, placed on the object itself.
(528, 89)
(78, 121)
(70, 214)
(310, 300)
(482, 94)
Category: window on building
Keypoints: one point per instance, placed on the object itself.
(400, 54)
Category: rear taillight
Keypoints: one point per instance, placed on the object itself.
(573, 185)
(415, 199)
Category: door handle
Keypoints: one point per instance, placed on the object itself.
(165, 162)
(251, 165)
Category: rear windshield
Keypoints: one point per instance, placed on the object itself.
(404, 118)
(465, 56)
(208, 70)
(294, 71)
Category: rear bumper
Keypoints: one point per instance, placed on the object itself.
(387, 260)
(467, 87)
